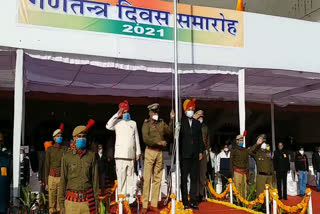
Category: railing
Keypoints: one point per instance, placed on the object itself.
(176, 207)
(263, 198)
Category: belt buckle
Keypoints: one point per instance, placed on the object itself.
(81, 195)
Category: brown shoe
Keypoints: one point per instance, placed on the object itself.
(154, 209)
(144, 211)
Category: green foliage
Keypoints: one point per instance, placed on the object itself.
(32, 202)
(102, 208)
(252, 192)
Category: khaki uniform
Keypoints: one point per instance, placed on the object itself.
(78, 174)
(152, 133)
(239, 165)
(52, 175)
(204, 161)
(265, 169)
(76, 207)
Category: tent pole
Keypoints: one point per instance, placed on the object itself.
(18, 120)
(176, 99)
(272, 127)
(242, 100)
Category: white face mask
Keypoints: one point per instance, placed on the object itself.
(190, 113)
(264, 146)
(155, 117)
(301, 152)
(201, 120)
(226, 149)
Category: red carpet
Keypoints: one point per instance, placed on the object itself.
(212, 208)
(207, 207)
(315, 196)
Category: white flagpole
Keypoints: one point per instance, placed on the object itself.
(176, 89)
(18, 122)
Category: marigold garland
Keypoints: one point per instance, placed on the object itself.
(121, 196)
(217, 195)
(126, 207)
(179, 207)
(303, 205)
(109, 192)
(259, 200)
(233, 206)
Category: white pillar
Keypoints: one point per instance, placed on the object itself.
(173, 206)
(18, 121)
(116, 194)
(231, 193)
(267, 201)
(242, 100)
(274, 205)
(272, 127)
(310, 204)
(120, 206)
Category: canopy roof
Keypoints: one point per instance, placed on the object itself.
(87, 75)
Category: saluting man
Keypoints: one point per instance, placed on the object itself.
(153, 132)
(263, 158)
(239, 164)
(79, 176)
(53, 170)
(127, 149)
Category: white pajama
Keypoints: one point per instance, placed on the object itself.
(125, 175)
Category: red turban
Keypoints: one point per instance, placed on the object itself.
(189, 103)
(124, 105)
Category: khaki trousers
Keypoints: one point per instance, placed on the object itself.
(53, 190)
(153, 165)
(76, 207)
(240, 181)
(262, 180)
(125, 176)
(202, 177)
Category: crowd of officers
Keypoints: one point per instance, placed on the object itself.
(269, 167)
(74, 176)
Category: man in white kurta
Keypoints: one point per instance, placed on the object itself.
(127, 150)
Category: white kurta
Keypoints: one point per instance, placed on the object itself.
(127, 148)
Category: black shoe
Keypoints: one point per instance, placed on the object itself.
(132, 205)
(194, 207)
